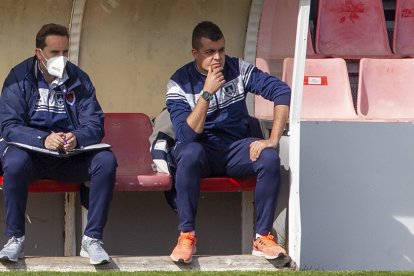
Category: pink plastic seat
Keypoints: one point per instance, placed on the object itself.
(403, 40)
(386, 89)
(326, 91)
(276, 40)
(128, 134)
(351, 29)
(50, 186)
(277, 32)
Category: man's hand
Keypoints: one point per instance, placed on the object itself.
(258, 146)
(60, 141)
(71, 142)
(280, 116)
(54, 141)
(215, 78)
(214, 81)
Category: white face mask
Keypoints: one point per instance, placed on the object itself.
(55, 65)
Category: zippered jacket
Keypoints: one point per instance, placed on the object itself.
(227, 116)
(19, 96)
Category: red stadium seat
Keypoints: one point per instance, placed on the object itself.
(351, 29)
(385, 90)
(404, 28)
(128, 134)
(277, 32)
(277, 29)
(276, 41)
(326, 92)
(50, 186)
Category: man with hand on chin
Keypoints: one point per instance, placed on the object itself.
(206, 99)
(48, 102)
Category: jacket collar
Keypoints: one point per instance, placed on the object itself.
(32, 70)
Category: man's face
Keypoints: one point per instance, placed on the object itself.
(210, 53)
(56, 46)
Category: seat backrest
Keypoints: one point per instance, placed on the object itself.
(276, 41)
(404, 28)
(351, 28)
(326, 91)
(277, 32)
(128, 133)
(386, 89)
(277, 29)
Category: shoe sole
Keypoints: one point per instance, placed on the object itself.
(7, 259)
(279, 261)
(85, 254)
(180, 260)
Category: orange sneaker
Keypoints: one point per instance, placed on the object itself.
(265, 246)
(185, 248)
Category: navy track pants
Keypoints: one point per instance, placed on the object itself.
(196, 160)
(21, 167)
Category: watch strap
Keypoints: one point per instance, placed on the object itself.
(206, 95)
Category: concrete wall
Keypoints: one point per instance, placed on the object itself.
(129, 48)
(20, 20)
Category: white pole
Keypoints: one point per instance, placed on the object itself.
(75, 29)
(294, 124)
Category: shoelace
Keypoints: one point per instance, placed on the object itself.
(97, 244)
(268, 240)
(13, 241)
(186, 240)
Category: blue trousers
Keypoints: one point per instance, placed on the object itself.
(20, 167)
(196, 160)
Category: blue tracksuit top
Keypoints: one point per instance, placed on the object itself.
(18, 100)
(227, 115)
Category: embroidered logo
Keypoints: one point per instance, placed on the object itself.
(70, 98)
(230, 89)
(59, 99)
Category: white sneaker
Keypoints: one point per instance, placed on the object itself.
(13, 250)
(92, 248)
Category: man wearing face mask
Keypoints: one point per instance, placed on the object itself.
(206, 99)
(50, 103)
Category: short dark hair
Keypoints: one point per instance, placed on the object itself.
(205, 29)
(49, 29)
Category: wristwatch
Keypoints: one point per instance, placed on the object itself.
(206, 95)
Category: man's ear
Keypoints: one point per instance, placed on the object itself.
(194, 52)
(38, 53)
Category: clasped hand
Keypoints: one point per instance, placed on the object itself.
(60, 141)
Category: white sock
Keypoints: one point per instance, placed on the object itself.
(87, 238)
(258, 235)
(22, 238)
